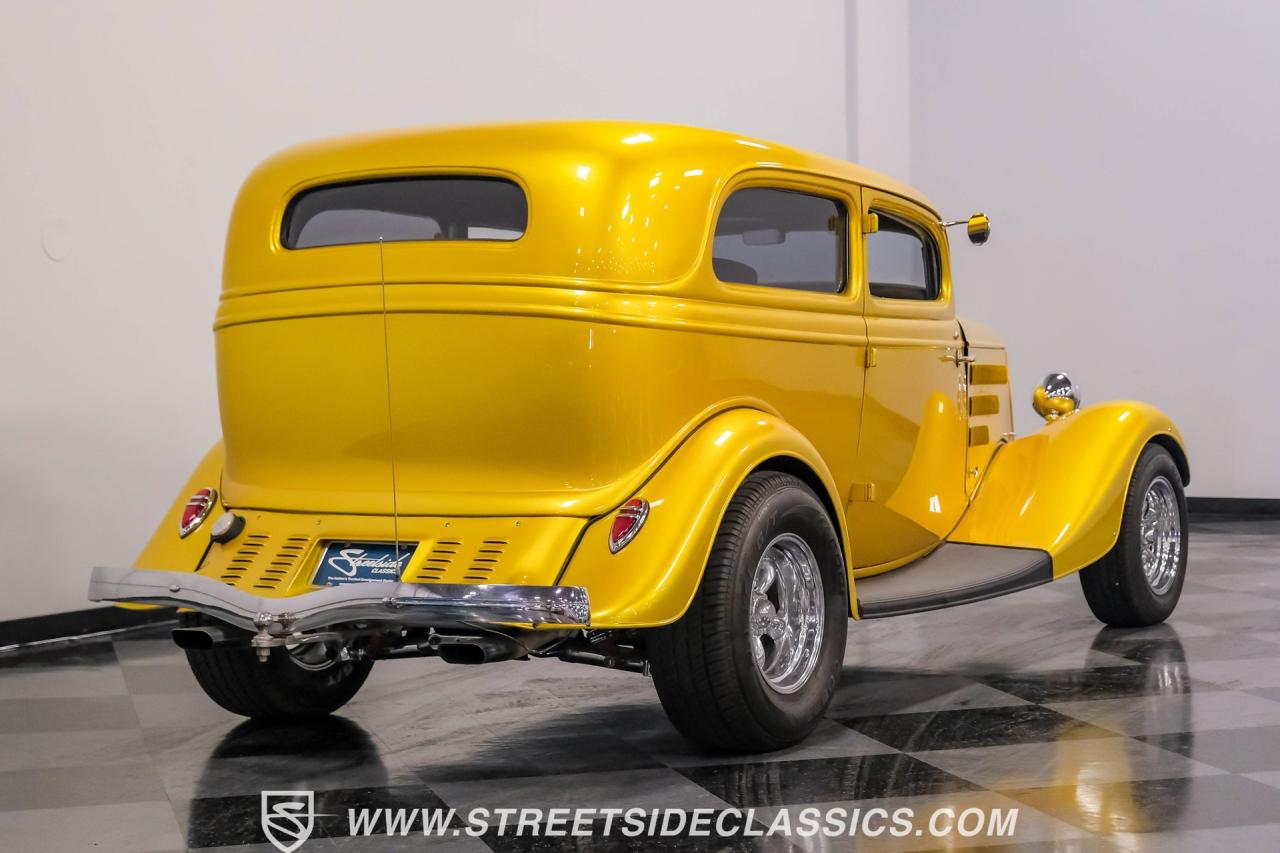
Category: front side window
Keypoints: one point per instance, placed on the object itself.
(399, 209)
(781, 238)
(901, 261)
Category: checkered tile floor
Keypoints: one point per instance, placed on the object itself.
(1165, 738)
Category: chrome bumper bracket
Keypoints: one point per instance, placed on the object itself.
(428, 605)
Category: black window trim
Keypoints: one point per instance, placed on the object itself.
(842, 272)
(291, 205)
(935, 262)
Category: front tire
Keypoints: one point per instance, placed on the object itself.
(1139, 581)
(300, 684)
(754, 662)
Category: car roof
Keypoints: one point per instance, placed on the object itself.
(609, 201)
(718, 150)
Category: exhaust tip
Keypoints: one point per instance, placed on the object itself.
(470, 651)
(203, 638)
(192, 638)
(467, 655)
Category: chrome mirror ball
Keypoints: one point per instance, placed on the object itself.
(1055, 397)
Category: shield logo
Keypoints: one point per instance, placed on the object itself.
(288, 818)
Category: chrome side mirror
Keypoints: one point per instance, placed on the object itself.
(1057, 396)
(978, 227)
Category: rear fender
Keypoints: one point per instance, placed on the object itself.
(1062, 489)
(651, 581)
(166, 550)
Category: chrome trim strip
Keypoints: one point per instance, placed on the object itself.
(433, 605)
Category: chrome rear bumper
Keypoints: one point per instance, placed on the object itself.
(427, 605)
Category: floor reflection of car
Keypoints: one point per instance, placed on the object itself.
(331, 753)
(1106, 798)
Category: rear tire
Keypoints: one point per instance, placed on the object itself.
(728, 672)
(1139, 581)
(289, 686)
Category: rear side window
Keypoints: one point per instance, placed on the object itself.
(781, 238)
(398, 209)
(902, 262)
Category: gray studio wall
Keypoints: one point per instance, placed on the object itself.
(127, 128)
(1127, 155)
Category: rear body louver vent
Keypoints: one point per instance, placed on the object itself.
(258, 564)
(485, 560)
(454, 560)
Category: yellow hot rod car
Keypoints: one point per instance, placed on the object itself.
(647, 397)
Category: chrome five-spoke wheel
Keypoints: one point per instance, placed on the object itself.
(787, 611)
(754, 662)
(1138, 582)
(1161, 533)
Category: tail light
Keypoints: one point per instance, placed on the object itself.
(196, 511)
(627, 523)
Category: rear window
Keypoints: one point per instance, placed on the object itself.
(399, 209)
(781, 238)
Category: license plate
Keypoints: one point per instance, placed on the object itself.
(362, 562)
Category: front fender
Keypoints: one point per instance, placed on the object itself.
(651, 581)
(1062, 489)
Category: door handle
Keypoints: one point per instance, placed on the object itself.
(963, 359)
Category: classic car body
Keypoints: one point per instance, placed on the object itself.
(489, 404)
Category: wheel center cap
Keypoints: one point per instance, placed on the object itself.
(763, 614)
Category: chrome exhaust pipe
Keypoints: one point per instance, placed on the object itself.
(470, 651)
(205, 637)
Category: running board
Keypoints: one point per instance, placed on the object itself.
(953, 574)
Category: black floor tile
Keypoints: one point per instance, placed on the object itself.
(824, 780)
(253, 739)
(1110, 682)
(87, 653)
(971, 727)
